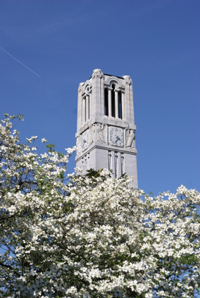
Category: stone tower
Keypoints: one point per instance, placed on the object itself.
(105, 135)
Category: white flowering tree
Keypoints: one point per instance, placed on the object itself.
(63, 235)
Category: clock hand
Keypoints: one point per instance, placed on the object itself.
(117, 139)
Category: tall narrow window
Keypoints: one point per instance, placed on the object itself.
(88, 107)
(113, 100)
(116, 163)
(120, 104)
(84, 109)
(106, 101)
(122, 163)
(109, 160)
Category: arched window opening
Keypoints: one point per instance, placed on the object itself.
(113, 100)
(106, 102)
(120, 104)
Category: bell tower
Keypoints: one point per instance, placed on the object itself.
(106, 128)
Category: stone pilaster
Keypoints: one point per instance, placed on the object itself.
(97, 94)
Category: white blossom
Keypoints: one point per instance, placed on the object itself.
(66, 235)
(43, 140)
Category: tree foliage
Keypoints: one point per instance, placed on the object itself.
(66, 235)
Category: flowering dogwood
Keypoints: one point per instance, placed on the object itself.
(66, 235)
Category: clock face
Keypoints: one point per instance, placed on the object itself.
(116, 136)
(84, 140)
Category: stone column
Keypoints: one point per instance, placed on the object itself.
(116, 105)
(123, 106)
(109, 103)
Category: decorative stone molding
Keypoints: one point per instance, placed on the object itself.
(113, 80)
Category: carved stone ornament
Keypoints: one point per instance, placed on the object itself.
(87, 88)
(78, 145)
(84, 140)
(91, 135)
(80, 87)
(97, 73)
(127, 80)
(130, 136)
(99, 132)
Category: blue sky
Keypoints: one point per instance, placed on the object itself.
(48, 47)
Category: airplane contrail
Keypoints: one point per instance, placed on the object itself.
(20, 62)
